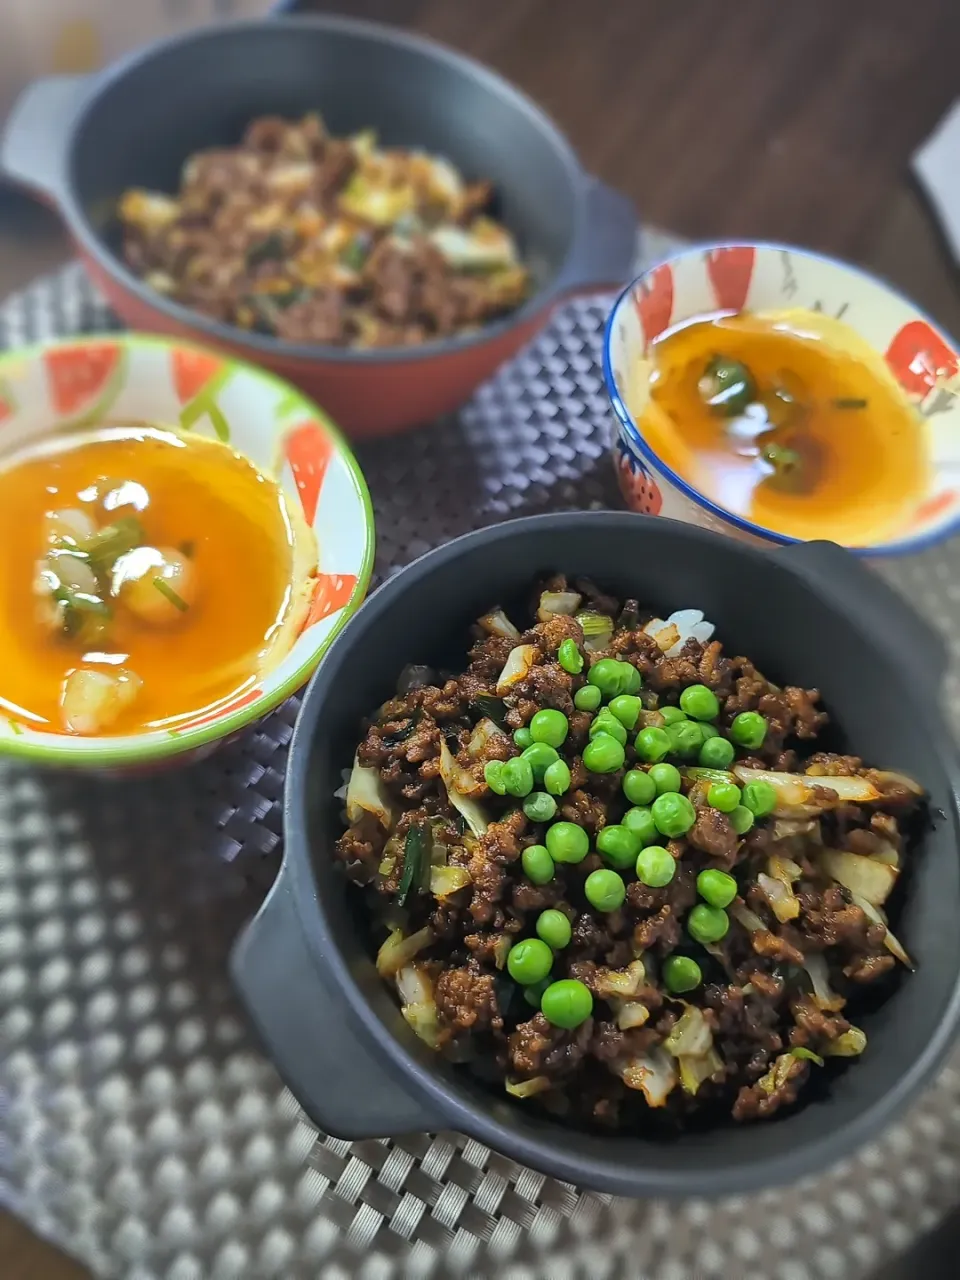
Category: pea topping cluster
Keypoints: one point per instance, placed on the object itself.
(659, 812)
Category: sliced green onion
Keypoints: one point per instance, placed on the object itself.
(272, 246)
(415, 859)
(355, 254)
(594, 624)
(494, 708)
(109, 544)
(388, 739)
(783, 460)
(727, 386)
(80, 601)
(850, 1045)
(807, 1054)
(168, 593)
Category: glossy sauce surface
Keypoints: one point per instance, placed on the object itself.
(858, 451)
(188, 493)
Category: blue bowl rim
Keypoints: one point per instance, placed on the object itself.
(629, 428)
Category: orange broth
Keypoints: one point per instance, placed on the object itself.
(188, 493)
(863, 451)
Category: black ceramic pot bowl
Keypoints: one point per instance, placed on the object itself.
(809, 614)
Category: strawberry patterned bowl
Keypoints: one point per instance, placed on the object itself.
(886, 327)
(124, 378)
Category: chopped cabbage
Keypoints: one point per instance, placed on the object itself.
(552, 603)
(517, 667)
(653, 1074)
(863, 876)
(399, 950)
(528, 1088)
(453, 777)
(367, 794)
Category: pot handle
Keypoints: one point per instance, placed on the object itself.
(883, 609)
(307, 1033)
(605, 252)
(33, 143)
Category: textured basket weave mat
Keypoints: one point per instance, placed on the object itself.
(139, 1126)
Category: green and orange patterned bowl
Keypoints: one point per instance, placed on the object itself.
(137, 378)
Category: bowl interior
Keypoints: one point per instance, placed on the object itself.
(357, 76)
(129, 378)
(736, 277)
(794, 634)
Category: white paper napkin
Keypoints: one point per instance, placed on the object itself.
(937, 166)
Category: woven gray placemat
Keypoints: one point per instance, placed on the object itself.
(142, 1130)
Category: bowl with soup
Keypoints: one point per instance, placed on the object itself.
(182, 537)
(781, 396)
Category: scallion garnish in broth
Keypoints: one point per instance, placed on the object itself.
(148, 577)
(790, 420)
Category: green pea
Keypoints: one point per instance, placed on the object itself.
(541, 757)
(566, 1003)
(724, 796)
(707, 924)
(556, 778)
(605, 890)
(760, 798)
(529, 961)
(630, 679)
(686, 739)
(566, 842)
(718, 888)
(709, 731)
(619, 845)
(604, 722)
(665, 777)
(537, 864)
(570, 657)
(656, 866)
(550, 726)
(652, 744)
(681, 973)
(517, 777)
(626, 708)
(603, 755)
(587, 698)
(640, 822)
(717, 753)
(539, 807)
(748, 730)
(493, 777)
(741, 819)
(606, 675)
(639, 787)
(673, 814)
(522, 737)
(672, 715)
(699, 702)
(534, 994)
(554, 928)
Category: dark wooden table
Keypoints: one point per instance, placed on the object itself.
(787, 121)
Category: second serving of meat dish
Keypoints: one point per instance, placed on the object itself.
(312, 238)
(608, 870)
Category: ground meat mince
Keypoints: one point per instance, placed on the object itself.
(712, 942)
(315, 239)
